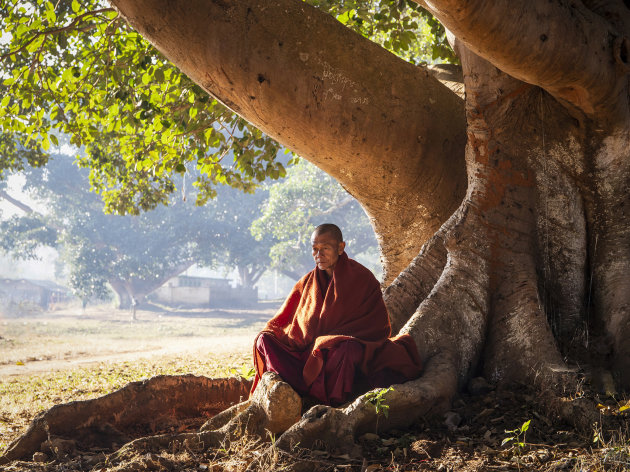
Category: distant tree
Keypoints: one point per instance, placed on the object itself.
(306, 198)
(132, 254)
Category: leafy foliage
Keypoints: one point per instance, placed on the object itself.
(377, 398)
(306, 198)
(400, 26)
(517, 437)
(80, 70)
(75, 67)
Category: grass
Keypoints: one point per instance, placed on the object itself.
(107, 331)
(101, 330)
(198, 341)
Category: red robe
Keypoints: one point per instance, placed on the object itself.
(351, 309)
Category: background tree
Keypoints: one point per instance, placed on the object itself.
(133, 255)
(305, 198)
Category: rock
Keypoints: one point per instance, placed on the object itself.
(40, 457)
(479, 386)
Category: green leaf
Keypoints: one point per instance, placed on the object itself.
(159, 75)
(36, 43)
(346, 16)
(75, 6)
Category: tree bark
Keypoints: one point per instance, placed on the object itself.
(532, 45)
(311, 77)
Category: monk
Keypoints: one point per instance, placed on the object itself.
(331, 337)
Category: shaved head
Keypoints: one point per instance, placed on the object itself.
(328, 245)
(331, 229)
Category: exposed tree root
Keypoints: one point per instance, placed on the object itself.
(337, 428)
(271, 410)
(161, 403)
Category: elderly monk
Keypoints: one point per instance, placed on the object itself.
(331, 338)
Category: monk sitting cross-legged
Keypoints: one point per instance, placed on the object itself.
(331, 338)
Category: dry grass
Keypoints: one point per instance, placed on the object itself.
(71, 354)
(188, 343)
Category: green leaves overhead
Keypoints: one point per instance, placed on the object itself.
(74, 67)
(401, 26)
(77, 68)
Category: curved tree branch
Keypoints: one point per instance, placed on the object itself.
(22, 206)
(563, 47)
(332, 96)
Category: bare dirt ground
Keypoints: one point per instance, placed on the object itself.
(72, 337)
(72, 354)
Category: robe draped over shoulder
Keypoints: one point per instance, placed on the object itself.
(352, 308)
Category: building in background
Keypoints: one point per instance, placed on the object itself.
(43, 293)
(204, 292)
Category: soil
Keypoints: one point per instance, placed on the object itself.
(486, 429)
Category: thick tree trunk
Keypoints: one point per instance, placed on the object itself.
(248, 275)
(122, 293)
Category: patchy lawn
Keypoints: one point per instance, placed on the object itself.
(52, 358)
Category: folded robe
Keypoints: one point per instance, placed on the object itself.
(352, 309)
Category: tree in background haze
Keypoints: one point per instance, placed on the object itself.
(134, 255)
(306, 198)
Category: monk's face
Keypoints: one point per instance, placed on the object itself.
(326, 251)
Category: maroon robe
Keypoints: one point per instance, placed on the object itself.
(332, 336)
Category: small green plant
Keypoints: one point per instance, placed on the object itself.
(517, 437)
(377, 398)
(246, 371)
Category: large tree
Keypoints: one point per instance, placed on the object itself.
(502, 218)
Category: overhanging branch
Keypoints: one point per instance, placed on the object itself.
(562, 47)
(16, 203)
(387, 130)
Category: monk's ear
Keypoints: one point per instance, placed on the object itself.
(342, 246)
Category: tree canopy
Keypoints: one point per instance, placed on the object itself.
(76, 68)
